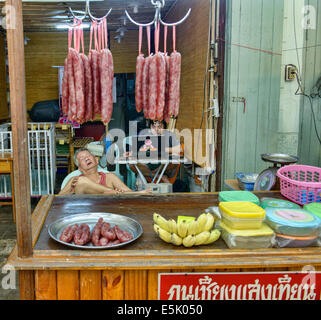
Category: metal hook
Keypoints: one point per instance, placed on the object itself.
(81, 12)
(139, 24)
(94, 18)
(87, 10)
(175, 23)
(158, 4)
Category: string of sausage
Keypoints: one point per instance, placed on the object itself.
(157, 86)
(88, 80)
(93, 57)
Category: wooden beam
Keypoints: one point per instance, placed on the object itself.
(19, 126)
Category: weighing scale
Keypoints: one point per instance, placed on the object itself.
(267, 179)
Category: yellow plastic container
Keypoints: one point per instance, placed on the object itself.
(262, 237)
(242, 214)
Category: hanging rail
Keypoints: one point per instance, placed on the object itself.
(158, 4)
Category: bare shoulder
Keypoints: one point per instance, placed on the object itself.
(110, 175)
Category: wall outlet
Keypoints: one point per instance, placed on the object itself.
(290, 72)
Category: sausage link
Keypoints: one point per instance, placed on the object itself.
(65, 90)
(72, 110)
(139, 83)
(106, 67)
(87, 113)
(145, 87)
(174, 83)
(161, 84)
(152, 88)
(79, 78)
(93, 59)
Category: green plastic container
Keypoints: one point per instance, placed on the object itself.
(314, 208)
(278, 203)
(227, 196)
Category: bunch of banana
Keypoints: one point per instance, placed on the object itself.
(194, 233)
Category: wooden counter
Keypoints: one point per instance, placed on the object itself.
(131, 272)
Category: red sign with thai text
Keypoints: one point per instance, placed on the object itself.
(240, 286)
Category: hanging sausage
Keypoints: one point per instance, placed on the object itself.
(140, 61)
(145, 78)
(174, 79)
(106, 70)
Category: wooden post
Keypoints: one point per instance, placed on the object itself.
(221, 55)
(15, 39)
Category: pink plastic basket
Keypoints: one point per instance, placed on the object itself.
(300, 184)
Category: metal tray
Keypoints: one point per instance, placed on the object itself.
(279, 158)
(130, 225)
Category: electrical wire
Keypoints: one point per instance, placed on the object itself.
(299, 79)
(302, 93)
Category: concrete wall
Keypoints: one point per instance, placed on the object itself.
(289, 111)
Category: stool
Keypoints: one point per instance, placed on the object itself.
(6, 167)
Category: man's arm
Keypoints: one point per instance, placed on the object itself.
(117, 183)
(83, 185)
(69, 187)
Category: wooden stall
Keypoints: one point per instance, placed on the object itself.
(50, 270)
(131, 272)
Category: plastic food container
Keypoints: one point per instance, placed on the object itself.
(293, 222)
(241, 214)
(227, 196)
(314, 208)
(263, 237)
(283, 241)
(278, 203)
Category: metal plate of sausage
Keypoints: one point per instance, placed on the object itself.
(123, 222)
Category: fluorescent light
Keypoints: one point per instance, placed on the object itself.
(48, 1)
(67, 26)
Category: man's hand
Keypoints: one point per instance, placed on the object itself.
(73, 184)
(146, 191)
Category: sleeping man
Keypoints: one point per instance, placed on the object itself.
(91, 181)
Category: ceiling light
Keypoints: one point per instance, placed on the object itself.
(67, 26)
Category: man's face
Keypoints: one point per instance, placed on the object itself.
(157, 128)
(86, 160)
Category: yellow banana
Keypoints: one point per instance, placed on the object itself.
(189, 241)
(182, 229)
(215, 234)
(192, 227)
(202, 219)
(176, 240)
(161, 221)
(209, 223)
(156, 228)
(164, 235)
(202, 237)
(172, 226)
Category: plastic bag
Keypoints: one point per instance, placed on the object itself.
(45, 111)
